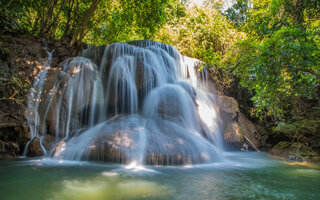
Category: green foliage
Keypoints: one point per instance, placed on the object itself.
(269, 16)
(129, 20)
(113, 27)
(298, 131)
(281, 69)
(295, 151)
(18, 88)
(10, 13)
(238, 12)
(147, 15)
(280, 58)
(199, 32)
(93, 21)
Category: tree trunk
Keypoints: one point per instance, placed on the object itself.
(79, 31)
(66, 30)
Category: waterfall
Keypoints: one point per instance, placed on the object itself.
(34, 99)
(137, 102)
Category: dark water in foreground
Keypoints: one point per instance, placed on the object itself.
(241, 176)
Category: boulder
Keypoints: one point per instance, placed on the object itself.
(35, 149)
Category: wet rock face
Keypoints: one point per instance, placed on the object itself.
(237, 129)
(233, 136)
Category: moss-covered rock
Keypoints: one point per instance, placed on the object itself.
(295, 151)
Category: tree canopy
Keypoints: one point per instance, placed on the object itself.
(94, 21)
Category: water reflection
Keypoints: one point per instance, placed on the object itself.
(109, 188)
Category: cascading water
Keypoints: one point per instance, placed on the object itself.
(34, 103)
(138, 102)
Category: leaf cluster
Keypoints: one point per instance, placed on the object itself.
(279, 60)
(299, 131)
